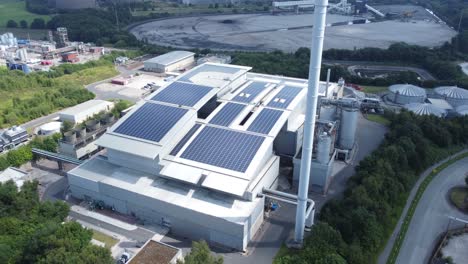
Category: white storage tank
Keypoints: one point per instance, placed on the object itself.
(406, 94)
(454, 95)
(462, 110)
(328, 112)
(323, 148)
(349, 117)
(50, 128)
(426, 109)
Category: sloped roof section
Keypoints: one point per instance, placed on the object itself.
(407, 90)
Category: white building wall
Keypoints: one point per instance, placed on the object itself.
(156, 67)
(134, 162)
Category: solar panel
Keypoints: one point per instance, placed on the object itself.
(223, 148)
(227, 114)
(184, 140)
(180, 93)
(249, 93)
(151, 121)
(284, 97)
(265, 121)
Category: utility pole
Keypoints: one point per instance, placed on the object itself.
(461, 18)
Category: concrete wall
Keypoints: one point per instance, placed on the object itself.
(134, 162)
(403, 99)
(320, 175)
(69, 149)
(183, 221)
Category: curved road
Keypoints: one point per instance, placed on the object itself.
(431, 216)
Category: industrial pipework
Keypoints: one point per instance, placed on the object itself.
(318, 34)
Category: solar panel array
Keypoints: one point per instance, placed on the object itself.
(151, 121)
(250, 92)
(180, 93)
(184, 140)
(284, 97)
(223, 148)
(265, 121)
(227, 114)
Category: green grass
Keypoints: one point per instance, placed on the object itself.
(458, 196)
(373, 89)
(414, 204)
(16, 10)
(25, 33)
(91, 75)
(378, 119)
(107, 240)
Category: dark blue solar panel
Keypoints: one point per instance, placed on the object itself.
(184, 140)
(180, 93)
(223, 148)
(227, 114)
(265, 121)
(249, 93)
(151, 121)
(284, 97)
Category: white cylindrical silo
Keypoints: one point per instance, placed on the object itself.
(323, 148)
(406, 94)
(50, 128)
(349, 117)
(454, 95)
(327, 112)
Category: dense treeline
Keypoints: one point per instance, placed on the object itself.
(33, 232)
(357, 225)
(438, 61)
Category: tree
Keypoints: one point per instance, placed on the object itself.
(201, 254)
(38, 23)
(11, 24)
(23, 24)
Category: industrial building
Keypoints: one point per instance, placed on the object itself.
(426, 109)
(171, 61)
(61, 36)
(81, 112)
(406, 94)
(12, 137)
(91, 120)
(199, 155)
(454, 95)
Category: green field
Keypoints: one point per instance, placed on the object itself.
(16, 10)
(378, 119)
(25, 33)
(107, 240)
(373, 89)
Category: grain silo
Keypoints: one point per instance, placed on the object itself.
(406, 94)
(454, 95)
(462, 110)
(426, 109)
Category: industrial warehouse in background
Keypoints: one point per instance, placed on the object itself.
(200, 154)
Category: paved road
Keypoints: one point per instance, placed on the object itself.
(431, 216)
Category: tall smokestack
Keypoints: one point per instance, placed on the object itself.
(318, 33)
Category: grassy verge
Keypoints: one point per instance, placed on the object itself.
(378, 119)
(458, 196)
(16, 10)
(409, 215)
(107, 240)
(373, 89)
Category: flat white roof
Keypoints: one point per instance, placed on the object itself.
(171, 57)
(85, 107)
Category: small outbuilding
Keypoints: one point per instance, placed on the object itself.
(171, 61)
(83, 111)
